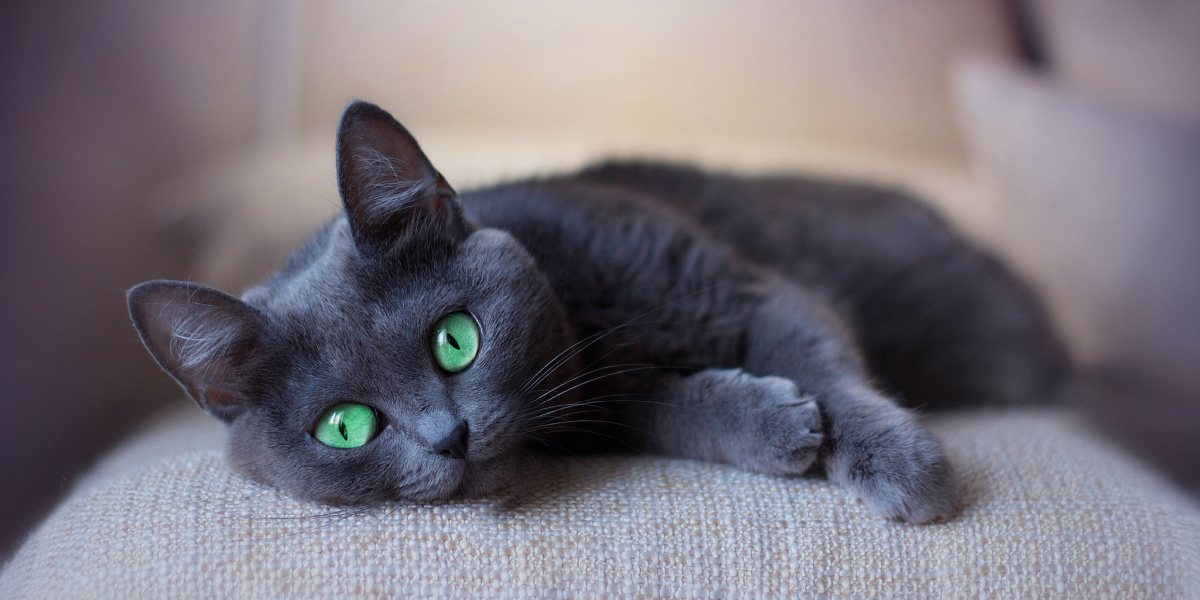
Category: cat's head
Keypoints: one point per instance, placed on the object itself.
(394, 357)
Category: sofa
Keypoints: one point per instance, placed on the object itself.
(934, 97)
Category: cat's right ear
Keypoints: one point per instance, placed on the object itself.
(205, 339)
(395, 200)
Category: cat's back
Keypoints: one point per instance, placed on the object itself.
(817, 230)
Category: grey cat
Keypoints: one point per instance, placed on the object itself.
(423, 340)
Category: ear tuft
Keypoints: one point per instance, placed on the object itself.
(206, 340)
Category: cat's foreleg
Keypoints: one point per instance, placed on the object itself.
(875, 448)
(762, 424)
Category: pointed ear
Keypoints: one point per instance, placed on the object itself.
(392, 194)
(206, 340)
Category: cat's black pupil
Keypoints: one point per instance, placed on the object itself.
(342, 430)
(453, 342)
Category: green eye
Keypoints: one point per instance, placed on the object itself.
(455, 342)
(347, 425)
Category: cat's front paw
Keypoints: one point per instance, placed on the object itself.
(782, 433)
(894, 465)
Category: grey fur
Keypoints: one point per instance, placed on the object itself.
(633, 306)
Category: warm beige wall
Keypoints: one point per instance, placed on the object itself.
(822, 72)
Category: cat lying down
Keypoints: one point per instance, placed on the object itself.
(424, 339)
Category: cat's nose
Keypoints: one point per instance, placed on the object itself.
(453, 444)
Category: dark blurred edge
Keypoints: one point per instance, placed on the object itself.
(100, 102)
(1029, 37)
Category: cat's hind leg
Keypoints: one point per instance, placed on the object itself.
(875, 448)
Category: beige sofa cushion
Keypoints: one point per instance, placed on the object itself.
(1139, 54)
(1101, 209)
(1051, 512)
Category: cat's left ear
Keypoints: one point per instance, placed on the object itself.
(392, 194)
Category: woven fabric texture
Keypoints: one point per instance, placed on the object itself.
(1051, 511)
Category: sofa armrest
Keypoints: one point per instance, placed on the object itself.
(1051, 511)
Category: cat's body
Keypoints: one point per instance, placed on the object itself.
(760, 322)
(940, 323)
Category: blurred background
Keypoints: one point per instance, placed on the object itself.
(147, 139)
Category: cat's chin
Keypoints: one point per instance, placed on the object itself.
(475, 480)
(467, 481)
(490, 477)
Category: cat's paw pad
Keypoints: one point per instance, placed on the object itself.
(898, 469)
(783, 428)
